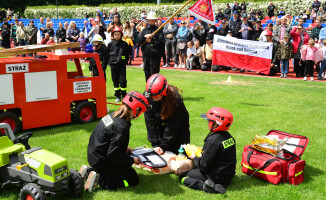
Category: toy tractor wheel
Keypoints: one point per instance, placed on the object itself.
(11, 119)
(76, 184)
(85, 112)
(31, 191)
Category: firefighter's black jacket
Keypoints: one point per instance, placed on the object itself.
(218, 159)
(168, 134)
(118, 52)
(108, 144)
(155, 48)
(235, 27)
(103, 54)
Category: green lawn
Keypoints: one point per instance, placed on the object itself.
(258, 104)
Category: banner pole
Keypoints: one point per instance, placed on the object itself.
(170, 18)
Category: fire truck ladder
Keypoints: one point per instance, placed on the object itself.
(37, 48)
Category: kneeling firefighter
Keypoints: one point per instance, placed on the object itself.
(118, 59)
(108, 153)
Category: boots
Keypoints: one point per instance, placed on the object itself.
(118, 95)
(123, 92)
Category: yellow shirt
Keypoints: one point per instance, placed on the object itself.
(208, 51)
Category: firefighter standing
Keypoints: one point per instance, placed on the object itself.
(118, 59)
(167, 122)
(108, 153)
(216, 167)
(153, 48)
(100, 48)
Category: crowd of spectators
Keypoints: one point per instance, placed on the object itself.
(188, 45)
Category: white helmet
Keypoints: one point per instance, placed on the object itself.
(97, 38)
(151, 15)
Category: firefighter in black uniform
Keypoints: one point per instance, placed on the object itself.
(153, 48)
(167, 122)
(100, 48)
(108, 153)
(216, 167)
(118, 59)
(235, 25)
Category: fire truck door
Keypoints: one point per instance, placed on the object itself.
(6, 89)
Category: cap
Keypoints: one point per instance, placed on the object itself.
(269, 33)
(229, 31)
(223, 22)
(244, 15)
(236, 12)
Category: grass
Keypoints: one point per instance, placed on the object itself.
(258, 104)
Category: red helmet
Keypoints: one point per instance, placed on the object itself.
(136, 100)
(220, 116)
(117, 29)
(156, 85)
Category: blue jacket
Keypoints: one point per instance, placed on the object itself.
(182, 34)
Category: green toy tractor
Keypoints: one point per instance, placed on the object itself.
(39, 172)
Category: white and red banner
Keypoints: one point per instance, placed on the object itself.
(242, 54)
(203, 9)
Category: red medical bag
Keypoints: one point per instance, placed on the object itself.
(275, 169)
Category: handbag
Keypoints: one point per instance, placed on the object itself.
(181, 45)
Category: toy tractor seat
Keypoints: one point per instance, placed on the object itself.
(7, 147)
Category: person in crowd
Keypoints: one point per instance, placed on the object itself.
(48, 29)
(207, 54)
(95, 30)
(111, 16)
(237, 8)
(142, 25)
(61, 33)
(102, 29)
(271, 10)
(252, 20)
(118, 53)
(48, 19)
(158, 24)
(41, 26)
(262, 36)
(282, 30)
(309, 56)
(46, 38)
(323, 63)
(285, 54)
(306, 15)
(299, 38)
(128, 34)
(31, 35)
(143, 15)
(190, 30)
(320, 12)
(151, 46)
(22, 35)
(227, 12)
(136, 46)
(197, 58)
(105, 16)
(322, 35)
(87, 28)
(108, 153)
(235, 25)
(259, 14)
(219, 16)
(82, 41)
(115, 23)
(115, 12)
(243, 6)
(191, 51)
(200, 31)
(300, 23)
(66, 27)
(223, 31)
(167, 122)
(73, 32)
(252, 13)
(258, 31)
(99, 13)
(281, 12)
(181, 36)
(212, 30)
(313, 15)
(13, 35)
(247, 29)
(309, 31)
(51, 40)
(278, 22)
(316, 5)
(216, 166)
(275, 61)
(5, 34)
(100, 48)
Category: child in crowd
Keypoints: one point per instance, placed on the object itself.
(51, 41)
(191, 51)
(82, 41)
(323, 63)
(285, 53)
(310, 54)
(216, 166)
(309, 31)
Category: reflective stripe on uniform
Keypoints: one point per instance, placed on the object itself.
(183, 179)
(259, 171)
(123, 89)
(126, 183)
(119, 88)
(297, 174)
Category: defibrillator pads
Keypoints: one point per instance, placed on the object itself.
(149, 158)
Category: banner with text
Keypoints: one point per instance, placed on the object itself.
(242, 54)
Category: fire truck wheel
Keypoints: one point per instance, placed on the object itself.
(11, 119)
(85, 112)
(31, 191)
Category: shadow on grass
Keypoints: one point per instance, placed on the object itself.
(245, 183)
(255, 104)
(193, 98)
(310, 172)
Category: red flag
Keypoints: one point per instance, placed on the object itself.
(203, 9)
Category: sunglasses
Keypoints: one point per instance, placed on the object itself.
(182, 23)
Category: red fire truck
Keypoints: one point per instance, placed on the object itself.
(37, 92)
